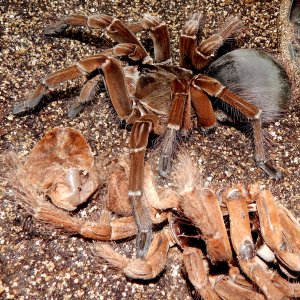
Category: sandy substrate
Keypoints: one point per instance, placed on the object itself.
(42, 263)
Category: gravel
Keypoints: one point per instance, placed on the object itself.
(42, 263)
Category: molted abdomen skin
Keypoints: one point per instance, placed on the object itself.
(255, 76)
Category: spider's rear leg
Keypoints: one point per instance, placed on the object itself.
(208, 48)
(199, 56)
(188, 40)
(214, 88)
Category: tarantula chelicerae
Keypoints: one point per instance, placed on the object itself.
(160, 97)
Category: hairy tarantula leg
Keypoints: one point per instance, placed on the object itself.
(175, 120)
(225, 287)
(203, 107)
(260, 153)
(271, 230)
(236, 276)
(87, 94)
(115, 28)
(132, 51)
(290, 289)
(215, 88)
(240, 233)
(188, 40)
(113, 75)
(197, 270)
(290, 228)
(138, 143)
(89, 90)
(147, 268)
(160, 36)
(47, 83)
(206, 50)
(202, 208)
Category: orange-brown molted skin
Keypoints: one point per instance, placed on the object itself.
(59, 149)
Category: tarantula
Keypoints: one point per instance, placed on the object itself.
(262, 249)
(161, 97)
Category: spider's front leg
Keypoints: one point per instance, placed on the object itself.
(115, 28)
(138, 143)
(179, 119)
(113, 76)
(121, 32)
(214, 88)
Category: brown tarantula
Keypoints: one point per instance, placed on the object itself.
(161, 97)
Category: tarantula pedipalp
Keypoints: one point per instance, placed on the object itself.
(150, 95)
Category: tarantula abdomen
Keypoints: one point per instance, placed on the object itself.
(255, 76)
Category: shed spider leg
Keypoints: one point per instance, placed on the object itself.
(272, 231)
(214, 88)
(41, 209)
(197, 270)
(290, 227)
(209, 286)
(147, 268)
(240, 233)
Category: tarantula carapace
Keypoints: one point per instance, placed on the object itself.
(161, 98)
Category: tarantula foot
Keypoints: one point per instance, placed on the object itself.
(143, 242)
(208, 130)
(55, 29)
(26, 105)
(75, 109)
(270, 170)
